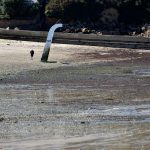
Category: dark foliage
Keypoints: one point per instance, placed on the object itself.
(19, 9)
(131, 11)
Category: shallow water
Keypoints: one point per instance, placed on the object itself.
(73, 117)
(143, 72)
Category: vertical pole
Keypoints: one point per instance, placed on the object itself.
(47, 46)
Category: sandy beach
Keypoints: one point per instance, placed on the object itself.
(83, 98)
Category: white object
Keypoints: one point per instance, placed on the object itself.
(49, 41)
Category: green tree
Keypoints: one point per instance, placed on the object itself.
(19, 9)
(131, 11)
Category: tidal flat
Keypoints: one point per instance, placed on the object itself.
(83, 98)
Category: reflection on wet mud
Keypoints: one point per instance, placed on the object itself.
(73, 117)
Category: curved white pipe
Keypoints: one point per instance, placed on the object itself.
(49, 41)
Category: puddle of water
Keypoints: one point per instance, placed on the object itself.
(143, 72)
(65, 117)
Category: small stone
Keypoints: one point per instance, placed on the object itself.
(133, 33)
(7, 28)
(16, 28)
(2, 119)
(99, 33)
(85, 30)
(142, 34)
(143, 29)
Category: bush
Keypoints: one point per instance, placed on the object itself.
(54, 9)
(84, 11)
(134, 11)
(19, 9)
(131, 11)
(72, 10)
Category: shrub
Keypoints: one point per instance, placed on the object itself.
(131, 11)
(76, 10)
(19, 9)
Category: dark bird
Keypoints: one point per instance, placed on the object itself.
(32, 53)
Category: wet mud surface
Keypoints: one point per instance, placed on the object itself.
(84, 101)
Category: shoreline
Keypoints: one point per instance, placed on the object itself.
(80, 39)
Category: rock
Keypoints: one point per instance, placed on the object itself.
(147, 33)
(133, 33)
(85, 30)
(2, 119)
(99, 33)
(142, 34)
(7, 28)
(16, 28)
(144, 28)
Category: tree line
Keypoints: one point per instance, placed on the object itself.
(130, 11)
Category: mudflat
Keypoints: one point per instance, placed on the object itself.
(84, 97)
